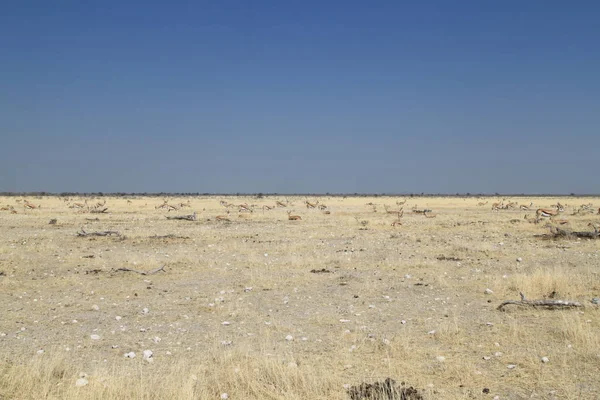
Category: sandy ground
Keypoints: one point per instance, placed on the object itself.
(237, 300)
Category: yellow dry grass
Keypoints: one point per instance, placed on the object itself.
(405, 302)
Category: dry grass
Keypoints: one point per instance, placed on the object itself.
(404, 302)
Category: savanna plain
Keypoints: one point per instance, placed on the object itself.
(255, 305)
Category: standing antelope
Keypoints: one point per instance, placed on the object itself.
(548, 212)
(293, 217)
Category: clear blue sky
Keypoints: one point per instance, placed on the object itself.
(276, 96)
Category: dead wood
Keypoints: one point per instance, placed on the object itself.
(192, 217)
(154, 271)
(169, 236)
(99, 210)
(551, 304)
(93, 219)
(83, 233)
(557, 233)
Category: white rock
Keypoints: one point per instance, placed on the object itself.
(148, 354)
(226, 342)
(225, 323)
(431, 332)
(292, 365)
(511, 366)
(81, 382)
(289, 338)
(498, 354)
(156, 339)
(441, 358)
(131, 354)
(40, 351)
(488, 291)
(545, 359)
(224, 396)
(95, 337)
(145, 310)
(486, 358)
(118, 317)
(343, 321)
(519, 259)
(95, 307)
(403, 322)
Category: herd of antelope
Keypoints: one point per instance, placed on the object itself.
(245, 209)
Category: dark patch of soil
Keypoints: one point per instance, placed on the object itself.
(386, 390)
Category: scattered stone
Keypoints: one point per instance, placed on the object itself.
(292, 365)
(226, 342)
(224, 396)
(95, 337)
(343, 321)
(441, 358)
(545, 359)
(148, 355)
(431, 332)
(95, 307)
(289, 338)
(498, 354)
(519, 259)
(596, 300)
(131, 354)
(403, 322)
(81, 382)
(225, 323)
(40, 351)
(488, 291)
(145, 310)
(487, 358)
(118, 317)
(511, 366)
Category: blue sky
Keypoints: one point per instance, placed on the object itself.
(271, 96)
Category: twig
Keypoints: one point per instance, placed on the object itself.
(124, 269)
(540, 303)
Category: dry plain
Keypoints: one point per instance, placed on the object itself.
(237, 310)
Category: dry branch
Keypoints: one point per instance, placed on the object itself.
(83, 233)
(98, 210)
(540, 303)
(154, 271)
(192, 217)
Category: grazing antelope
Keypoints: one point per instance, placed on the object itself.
(497, 206)
(280, 204)
(322, 207)
(311, 205)
(293, 217)
(223, 217)
(547, 212)
(401, 203)
(524, 207)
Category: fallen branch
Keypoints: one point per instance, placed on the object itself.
(124, 269)
(83, 233)
(540, 303)
(192, 217)
(99, 210)
(169, 236)
(557, 233)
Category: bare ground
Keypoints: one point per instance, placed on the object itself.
(237, 309)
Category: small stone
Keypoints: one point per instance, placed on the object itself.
(403, 322)
(95, 307)
(511, 366)
(226, 342)
(431, 332)
(289, 338)
(148, 355)
(596, 300)
(225, 323)
(343, 321)
(131, 354)
(488, 291)
(81, 382)
(95, 337)
(292, 365)
(145, 310)
(118, 317)
(224, 396)
(519, 259)
(441, 358)
(486, 358)
(40, 351)
(498, 354)
(545, 359)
